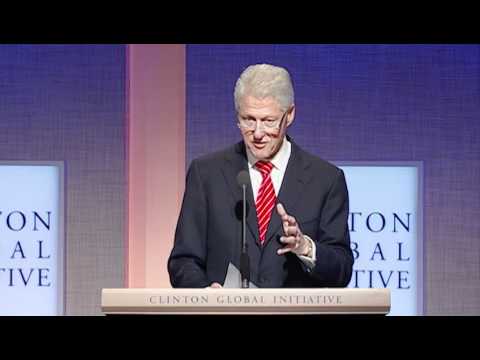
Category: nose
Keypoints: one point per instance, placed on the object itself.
(259, 131)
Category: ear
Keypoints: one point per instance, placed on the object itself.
(291, 115)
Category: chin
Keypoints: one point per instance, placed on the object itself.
(261, 154)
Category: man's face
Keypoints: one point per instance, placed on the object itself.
(262, 141)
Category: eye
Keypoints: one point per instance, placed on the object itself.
(270, 123)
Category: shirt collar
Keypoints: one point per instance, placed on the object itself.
(279, 161)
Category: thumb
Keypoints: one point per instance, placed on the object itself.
(215, 285)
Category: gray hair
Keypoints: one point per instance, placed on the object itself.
(262, 81)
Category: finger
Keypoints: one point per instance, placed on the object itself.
(288, 240)
(291, 220)
(286, 219)
(291, 230)
(281, 210)
(215, 285)
(284, 250)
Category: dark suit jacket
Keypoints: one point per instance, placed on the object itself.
(208, 233)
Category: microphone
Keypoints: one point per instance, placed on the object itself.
(243, 179)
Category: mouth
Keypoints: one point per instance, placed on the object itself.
(259, 145)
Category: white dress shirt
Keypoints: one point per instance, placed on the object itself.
(279, 161)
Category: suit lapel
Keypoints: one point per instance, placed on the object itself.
(293, 184)
(236, 161)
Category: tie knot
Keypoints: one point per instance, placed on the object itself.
(265, 167)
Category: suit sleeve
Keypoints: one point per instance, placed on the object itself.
(186, 264)
(334, 258)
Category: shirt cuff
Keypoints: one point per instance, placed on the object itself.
(308, 261)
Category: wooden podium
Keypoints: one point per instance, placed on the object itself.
(246, 301)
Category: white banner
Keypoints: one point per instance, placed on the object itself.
(385, 223)
(31, 238)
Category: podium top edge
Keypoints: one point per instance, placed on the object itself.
(251, 290)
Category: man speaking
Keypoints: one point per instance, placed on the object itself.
(296, 207)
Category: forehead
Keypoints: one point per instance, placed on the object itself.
(266, 106)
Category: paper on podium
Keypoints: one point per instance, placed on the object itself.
(234, 278)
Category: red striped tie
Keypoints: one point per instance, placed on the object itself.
(265, 199)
